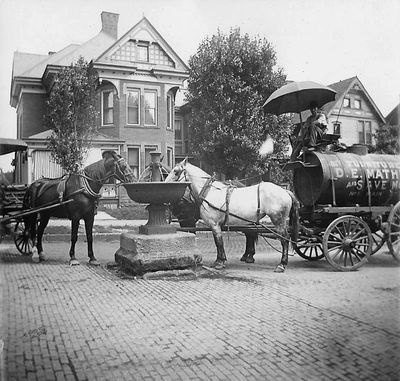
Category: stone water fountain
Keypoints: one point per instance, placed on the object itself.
(157, 246)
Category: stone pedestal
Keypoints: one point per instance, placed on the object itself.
(157, 223)
(139, 253)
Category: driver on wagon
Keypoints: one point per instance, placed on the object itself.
(313, 130)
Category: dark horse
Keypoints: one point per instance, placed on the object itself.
(83, 188)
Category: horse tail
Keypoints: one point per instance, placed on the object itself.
(294, 221)
(30, 219)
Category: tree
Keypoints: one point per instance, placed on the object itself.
(230, 77)
(71, 115)
(387, 140)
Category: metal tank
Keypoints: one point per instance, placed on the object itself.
(347, 179)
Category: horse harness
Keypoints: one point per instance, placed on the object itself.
(229, 190)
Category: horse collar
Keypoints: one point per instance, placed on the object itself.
(206, 188)
(87, 188)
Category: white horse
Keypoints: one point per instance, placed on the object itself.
(222, 204)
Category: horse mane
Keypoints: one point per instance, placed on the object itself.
(201, 172)
(96, 170)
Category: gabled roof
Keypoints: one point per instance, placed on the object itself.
(143, 31)
(342, 88)
(394, 116)
(65, 57)
(25, 61)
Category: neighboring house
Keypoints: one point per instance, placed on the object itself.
(182, 131)
(353, 115)
(393, 118)
(139, 76)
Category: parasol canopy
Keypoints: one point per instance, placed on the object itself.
(295, 97)
(11, 145)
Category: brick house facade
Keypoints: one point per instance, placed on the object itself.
(139, 75)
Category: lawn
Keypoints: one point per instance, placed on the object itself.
(134, 212)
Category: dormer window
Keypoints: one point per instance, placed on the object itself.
(346, 102)
(357, 103)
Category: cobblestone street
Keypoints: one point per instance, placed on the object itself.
(243, 323)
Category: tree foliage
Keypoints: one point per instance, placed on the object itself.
(71, 115)
(230, 77)
(387, 140)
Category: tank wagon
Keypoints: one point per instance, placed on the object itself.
(350, 206)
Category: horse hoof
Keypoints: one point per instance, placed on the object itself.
(279, 269)
(94, 262)
(244, 258)
(74, 262)
(219, 266)
(250, 260)
(42, 258)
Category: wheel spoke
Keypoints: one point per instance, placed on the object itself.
(395, 242)
(344, 225)
(361, 252)
(362, 244)
(357, 256)
(315, 251)
(340, 233)
(334, 248)
(351, 258)
(334, 255)
(358, 233)
(365, 237)
(342, 254)
(335, 242)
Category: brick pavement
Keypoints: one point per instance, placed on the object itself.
(246, 323)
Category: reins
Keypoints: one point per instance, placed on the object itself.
(86, 178)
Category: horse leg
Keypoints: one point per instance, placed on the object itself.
(74, 237)
(219, 243)
(248, 255)
(89, 220)
(285, 250)
(44, 220)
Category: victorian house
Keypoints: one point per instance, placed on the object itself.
(139, 76)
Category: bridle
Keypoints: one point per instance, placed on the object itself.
(120, 173)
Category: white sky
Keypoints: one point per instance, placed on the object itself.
(320, 40)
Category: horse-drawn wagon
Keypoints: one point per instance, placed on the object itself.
(350, 202)
(25, 210)
(11, 202)
(350, 206)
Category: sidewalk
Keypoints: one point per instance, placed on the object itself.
(105, 228)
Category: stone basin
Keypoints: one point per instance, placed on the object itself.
(156, 192)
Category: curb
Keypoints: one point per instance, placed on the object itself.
(57, 237)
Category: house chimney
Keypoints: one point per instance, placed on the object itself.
(109, 24)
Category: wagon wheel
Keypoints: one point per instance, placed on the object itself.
(309, 247)
(378, 239)
(22, 238)
(347, 243)
(393, 240)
